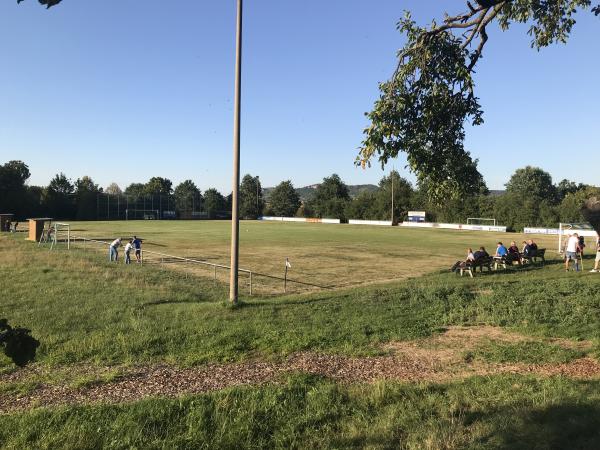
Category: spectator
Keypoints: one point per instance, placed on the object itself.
(128, 248)
(501, 250)
(113, 250)
(480, 254)
(463, 264)
(513, 253)
(533, 245)
(581, 246)
(527, 251)
(571, 252)
(597, 263)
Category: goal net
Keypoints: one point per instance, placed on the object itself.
(56, 234)
(481, 221)
(583, 230)
(142, 214)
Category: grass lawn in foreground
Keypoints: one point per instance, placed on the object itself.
(321, 254)
(90, 313)
(85, 309)
(501, 412)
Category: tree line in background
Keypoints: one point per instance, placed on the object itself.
(531, 199)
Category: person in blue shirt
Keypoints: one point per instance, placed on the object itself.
(501, 250)
(137, 245)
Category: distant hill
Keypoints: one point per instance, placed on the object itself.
(305, 193)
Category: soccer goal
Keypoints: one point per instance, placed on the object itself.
(481, 221)
(142, 214)
(583, 230)
(56, 234)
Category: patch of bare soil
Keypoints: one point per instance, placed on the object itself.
(436, 359)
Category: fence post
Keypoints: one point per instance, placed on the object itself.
(250, 284)
(215, 274)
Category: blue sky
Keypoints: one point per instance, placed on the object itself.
(123, 90)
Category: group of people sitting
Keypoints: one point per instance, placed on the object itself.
(10, 226)
(510, 255)
(133, 244)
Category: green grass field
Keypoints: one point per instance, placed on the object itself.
(324, 255)
(505, 360)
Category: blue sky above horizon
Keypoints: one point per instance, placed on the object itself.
(123, 90)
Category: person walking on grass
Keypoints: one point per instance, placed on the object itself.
(571, 252)
(597, 263)
(137, 245)
(113, 250)
(128, 248)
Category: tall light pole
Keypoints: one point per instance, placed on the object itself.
(235, 218)
(392, 177)
(257, 184)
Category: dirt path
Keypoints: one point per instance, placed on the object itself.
(437, 359)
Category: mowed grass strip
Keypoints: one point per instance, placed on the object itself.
(498, 412)
(321, 254)
(85, 310)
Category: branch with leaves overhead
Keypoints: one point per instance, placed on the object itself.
(423, 109)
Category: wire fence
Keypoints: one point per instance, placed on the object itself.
(218, 271)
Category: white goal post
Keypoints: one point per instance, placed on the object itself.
(142, 214)
(584, 230)
(56, 233)
(481, 221)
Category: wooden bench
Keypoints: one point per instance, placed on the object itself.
(540, 253)
(471, 267)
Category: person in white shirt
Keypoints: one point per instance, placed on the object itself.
(597, 263)
(113, 250)
(571, 251)
(128, 249)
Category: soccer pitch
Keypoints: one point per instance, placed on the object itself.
(326, 255)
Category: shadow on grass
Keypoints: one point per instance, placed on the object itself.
(568, 426)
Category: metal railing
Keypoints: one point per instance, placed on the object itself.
(165, 258)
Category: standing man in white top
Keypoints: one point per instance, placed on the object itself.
(571, 253)
(597, 263)
(113, 250)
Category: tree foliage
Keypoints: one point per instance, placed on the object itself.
(187, 196)
(213, 202)
(13, 190)
(251, 197)
(533, 182)
(284, 200)
(86, 192)
(158, 186)
(423, 108)
(331, 198)
(113, 189)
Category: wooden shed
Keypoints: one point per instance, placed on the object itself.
(36, 227)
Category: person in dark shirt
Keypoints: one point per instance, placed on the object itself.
(513, 253)
(481, 253)
(526, 249)
(137, 245)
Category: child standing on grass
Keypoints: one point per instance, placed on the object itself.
(113, 250)
(137, 244)
(128, 248)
